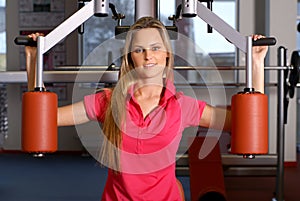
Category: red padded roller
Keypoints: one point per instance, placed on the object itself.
(249, 134)
(39, 122)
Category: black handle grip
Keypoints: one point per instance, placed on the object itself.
(25, 40)
(264, 42)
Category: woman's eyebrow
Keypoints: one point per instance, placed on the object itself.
(154, 44)
(151, 45)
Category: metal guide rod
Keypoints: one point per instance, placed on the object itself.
(280, 126)
(39, 70)
(249, 63)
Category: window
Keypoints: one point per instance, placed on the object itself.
(100, 31)
(2, 36)
(3, 94)
(214, 43)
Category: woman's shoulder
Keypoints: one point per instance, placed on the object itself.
(100, 95)
(104, 92)
(188, 98)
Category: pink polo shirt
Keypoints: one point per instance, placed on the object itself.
(149, 145)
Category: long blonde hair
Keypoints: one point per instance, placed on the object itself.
(115, 112)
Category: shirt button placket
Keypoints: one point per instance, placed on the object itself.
(139, 142)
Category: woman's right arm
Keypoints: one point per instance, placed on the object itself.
(66, 115)
(72, 114)
(30, 54)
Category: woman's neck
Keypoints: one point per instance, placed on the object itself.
(148, 88)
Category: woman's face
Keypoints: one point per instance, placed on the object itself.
(148, 53)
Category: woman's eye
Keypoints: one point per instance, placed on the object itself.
(138, 50)
(155, 48)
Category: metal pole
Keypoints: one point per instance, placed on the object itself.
(39, 69)
(280, 126)
(69, 25)
(249, 63)
(145, 8)
(60, 32)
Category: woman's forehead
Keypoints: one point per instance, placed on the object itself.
(147, 36)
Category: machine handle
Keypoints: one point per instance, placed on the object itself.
(25, 40)
(264, 41)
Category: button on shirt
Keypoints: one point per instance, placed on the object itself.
(149, 145)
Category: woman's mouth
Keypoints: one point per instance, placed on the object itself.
(149, 65)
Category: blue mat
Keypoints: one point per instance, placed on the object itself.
(55, 177)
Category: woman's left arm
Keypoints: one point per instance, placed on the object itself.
(258, 64)
(220, 118)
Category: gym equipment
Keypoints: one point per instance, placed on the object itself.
(249, 134)
(256, 136)
(249, 110)
(282, 100)
(39, 109)
(249, 115)
(39, 116)
(39, 122)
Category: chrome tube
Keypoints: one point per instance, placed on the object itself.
(39, 69)
(249, 63)
(145, 8)
(101, 8)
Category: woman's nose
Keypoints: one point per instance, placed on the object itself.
(148, 53)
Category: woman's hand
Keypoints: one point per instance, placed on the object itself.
(258, 60)
(29, 50)
(259, 52)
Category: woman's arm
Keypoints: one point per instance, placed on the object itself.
(67, 115)
(30, 53)
(258, 59)
(220, 118)
(216, 118)
(72, 114)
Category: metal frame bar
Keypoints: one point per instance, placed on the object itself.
(92, 74)
(222, 27)
(240, 41)
(59, 33)
(234, 165)
(280, 126)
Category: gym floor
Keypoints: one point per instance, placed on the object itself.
(64, 177)
(262, 188)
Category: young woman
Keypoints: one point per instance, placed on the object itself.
(143, 116)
